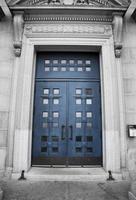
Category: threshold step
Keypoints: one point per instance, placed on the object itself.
(67, 174)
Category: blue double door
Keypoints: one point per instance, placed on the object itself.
(67, 122)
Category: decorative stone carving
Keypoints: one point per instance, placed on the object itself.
(81, 2)
(55, 2)
(67, 18)
(18, 32)
(69, 29)
(117, 33)
(96, 3)
(68, 2)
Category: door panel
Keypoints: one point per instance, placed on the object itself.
(68, 65)
(84, 122)
(49, 121)
(67, 110)
(67, 124)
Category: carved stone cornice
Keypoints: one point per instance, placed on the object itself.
(18, 23)
(67, 18)
(117, 33)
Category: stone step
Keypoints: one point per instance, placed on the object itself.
(67, 174)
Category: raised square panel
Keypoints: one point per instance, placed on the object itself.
(45, 101)
(47, 69)
(79, 69)
(88, 101)
(46, 91)
(89, 124)
(63, 62)
(89, 149)
(79, 62)
(55, 114)
(78, 91)
(78, 149)
(71, 62)
(55, 125)
(78, 101)
(88, 69)
(72, 69)
(78, 125)
(55, 138)
(55, 149)
(55, 69)
(89, 114)
(43, 149)
(78, 114)
(55, 62)
(89, 138)
(63, 69)
(78, 138)
(55, 101)
(88, 91)
(88, 62)
(56, 91)
(45, 125)
(47, 62)
(44, 138)
(45, 114)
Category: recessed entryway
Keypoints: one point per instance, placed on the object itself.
(67, 110)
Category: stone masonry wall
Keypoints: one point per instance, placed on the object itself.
(6, 66)
(129, 78)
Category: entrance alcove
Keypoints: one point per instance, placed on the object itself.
(76, 29)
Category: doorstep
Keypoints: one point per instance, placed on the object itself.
(67, 174)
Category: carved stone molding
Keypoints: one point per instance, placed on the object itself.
(95, 30)
(117, 34)
(92, 3)
(18, 23)
(67, 18)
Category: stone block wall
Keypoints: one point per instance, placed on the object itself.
(129, 79)
(6, 67)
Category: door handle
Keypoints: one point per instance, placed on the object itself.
(71, 132)
(63, 132)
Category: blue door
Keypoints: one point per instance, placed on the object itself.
(84, 123)
(67, 110)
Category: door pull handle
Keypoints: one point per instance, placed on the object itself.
(71, 132)
(63, 132)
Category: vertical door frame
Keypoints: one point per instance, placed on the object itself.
(109, 98)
